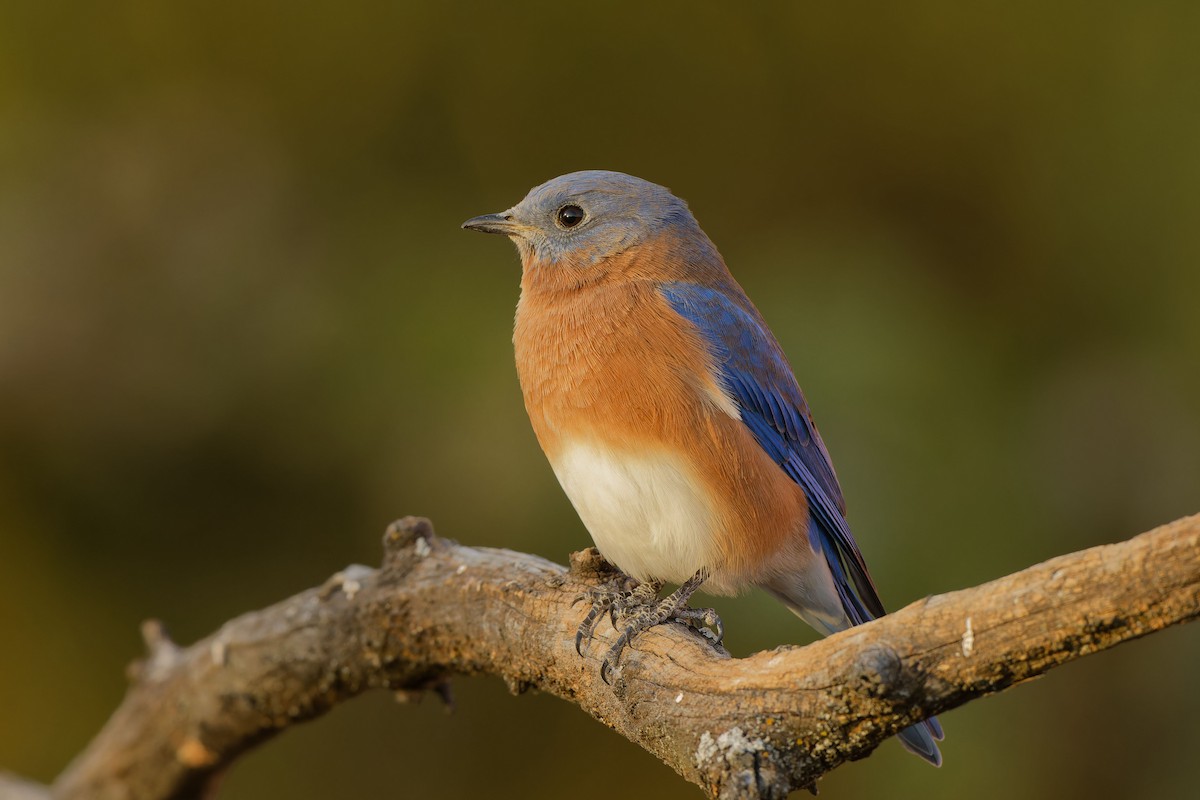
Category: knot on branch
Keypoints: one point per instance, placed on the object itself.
(162, 654)
(733, 765)
(879, 672)
(406, 541)
(590, 565)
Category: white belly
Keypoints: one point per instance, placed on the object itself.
(646, 512)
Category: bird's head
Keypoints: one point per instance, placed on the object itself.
(581, 220)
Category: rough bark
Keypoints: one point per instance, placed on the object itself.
(755, 727)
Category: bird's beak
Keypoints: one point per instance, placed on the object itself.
(493, 223)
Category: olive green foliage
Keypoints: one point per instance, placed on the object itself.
(240, 331)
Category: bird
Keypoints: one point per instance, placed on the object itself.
(672, 418)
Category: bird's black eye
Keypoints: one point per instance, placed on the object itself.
(570, 215)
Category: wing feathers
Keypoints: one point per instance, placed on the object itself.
(753, 370)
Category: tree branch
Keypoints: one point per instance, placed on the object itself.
(754, 727)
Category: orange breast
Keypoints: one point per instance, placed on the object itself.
(612, 364)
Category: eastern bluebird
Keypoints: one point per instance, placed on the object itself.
(671, 416)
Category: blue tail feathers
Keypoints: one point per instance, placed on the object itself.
(861, 604)
(919, 739)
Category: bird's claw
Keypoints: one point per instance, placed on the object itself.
(703, 621)
(588, 626)
(618, 599)
(626, 599)
(672, 608)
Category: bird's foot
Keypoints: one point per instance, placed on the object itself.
(618, 598)
(704, 621)
(673, 607)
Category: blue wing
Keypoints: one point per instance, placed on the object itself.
(755, 373)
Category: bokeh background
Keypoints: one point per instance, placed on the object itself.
(240, 331)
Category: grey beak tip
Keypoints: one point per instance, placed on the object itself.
(490, 223)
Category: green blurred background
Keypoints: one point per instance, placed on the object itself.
(240, 331)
